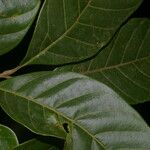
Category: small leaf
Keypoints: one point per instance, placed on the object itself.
(35, 144)
(73, 30)
(86, 113)
(16, 17)
(8, 139)
(124, 64)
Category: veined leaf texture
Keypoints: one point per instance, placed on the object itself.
(96, 118)
(124, 64)
(16, 16)
(73, 30)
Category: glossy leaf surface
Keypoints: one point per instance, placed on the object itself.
(125, 64)
(73, 30)
(35, 144)
(74, 107)
(8, 139)
(16, 17)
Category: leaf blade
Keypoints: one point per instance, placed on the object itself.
(123, 65)
(75, 101)
(79, 36)
(8, 139)
(15, 19)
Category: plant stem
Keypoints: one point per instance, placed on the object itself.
(7, 74)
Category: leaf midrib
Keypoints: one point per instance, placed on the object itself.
(114, 66)
(62, 36)
(56, 112)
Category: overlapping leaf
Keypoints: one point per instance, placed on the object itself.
(86, 113)
(72, 30)
(35, 144)
(125, 64)
(16, 17)
(8, 139)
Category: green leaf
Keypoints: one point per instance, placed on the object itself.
(124, 65)
(86, 113)
(35, 144)
(73, 30)
(8, 139)
(16, 17)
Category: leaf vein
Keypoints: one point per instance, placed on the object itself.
(60, 38)
(145, 74)
(115, 66)
(131, 37)
(140, 48)
(56, 112)
(109, 9)
(135, 83)
(77, 40)
(123, 92)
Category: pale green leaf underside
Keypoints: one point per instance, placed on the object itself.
(73, 30)
(125, 64)
(16, 17)
(97, 118)
(8, 139)
(35, 144)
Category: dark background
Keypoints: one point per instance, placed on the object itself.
(13, 58)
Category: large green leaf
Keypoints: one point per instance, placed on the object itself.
(35, 144)
(16, 17)
(125, 64)
(8, 139)
(72, 30)
(88, 114)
